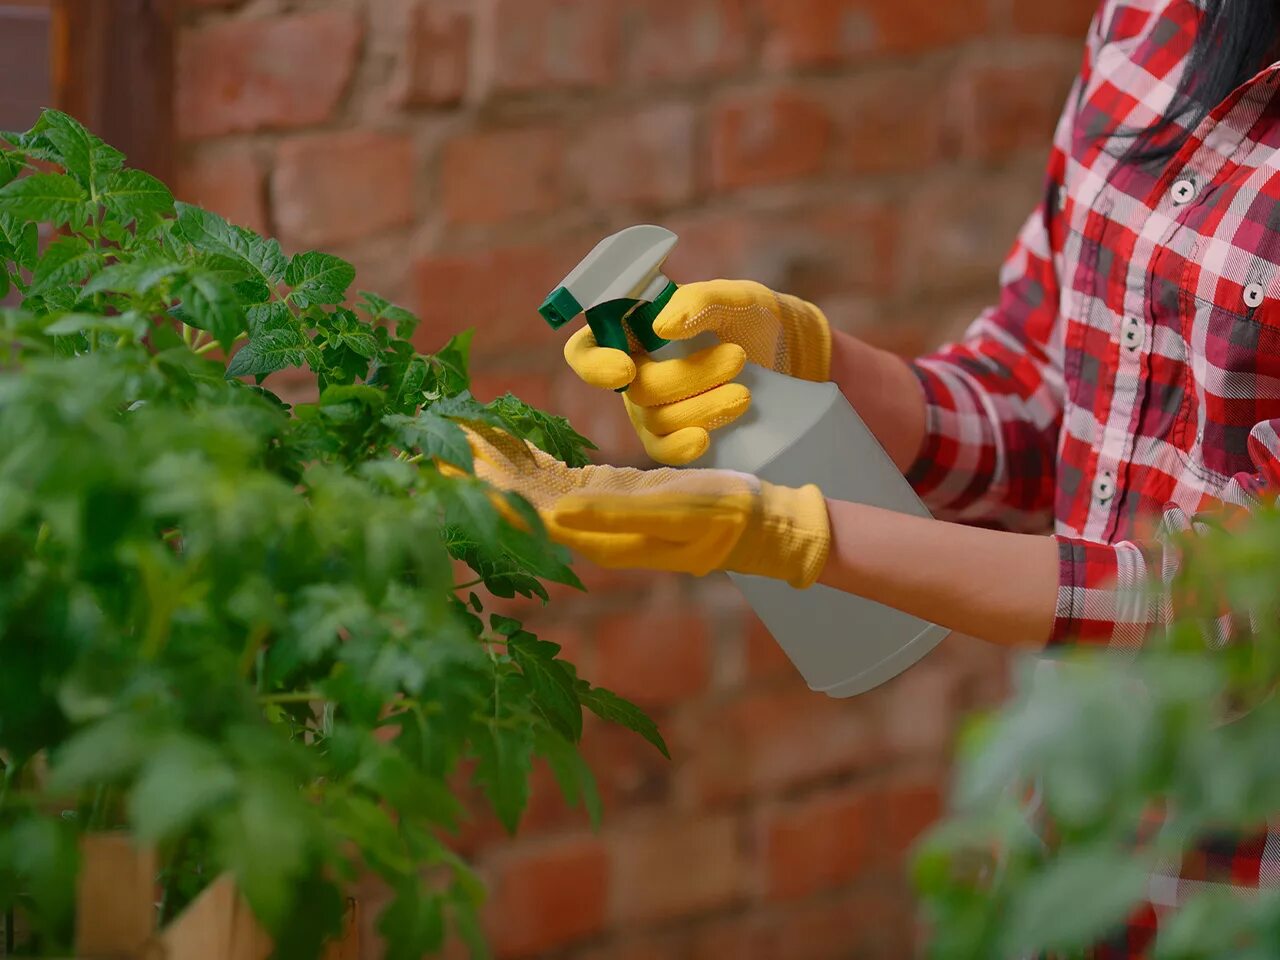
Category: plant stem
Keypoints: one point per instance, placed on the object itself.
(469, 584)
(213, 344)
(304, 696)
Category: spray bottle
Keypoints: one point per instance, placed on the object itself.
(794, 433)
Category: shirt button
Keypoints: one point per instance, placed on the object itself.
(1104, 487)
(1134, 333)
(1184, 191)
(1254, 294)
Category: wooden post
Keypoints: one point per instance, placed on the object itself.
(115, 898)
(113, 71)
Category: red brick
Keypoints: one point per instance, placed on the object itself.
(850, 923)
(773, 740)
(335, 188)
(957, 228)
(651, 158)
(685, 39)
(532, 388)
(496, 291)
(1069, 18)
(765, 660)
(548, 896)
(533, 45)
(918, 709)
(891, 120)
(712, 246)
(908, 810)
(674, 869)
(811, 33)
(260, 74)
(436, 57)
(654, 658)
(837, 249)
(766, 138)
(630, 771)
(230, 181)
(818, 844)
(999, 107)
(493, 177)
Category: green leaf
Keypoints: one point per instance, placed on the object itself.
(504, 762)
(318, 278)
(129, 324)
(10, 166)
(613, 708)
(434, 437)
(466, 408)
(182, 779)
(131, 194)
(78, 151)
(136, 277)
(413, 923)
(573, 775)
(553, 687)
(54, 197)
(66, 261)
(263, 840)
(209, 304)
(380, 308)
(270, 352)
(545, 431)
(450, 367)
(43, 855)
(1078, 899)
(210, 233)
(107, 750)
(73, 143)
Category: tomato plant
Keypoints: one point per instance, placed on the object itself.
(229, 625)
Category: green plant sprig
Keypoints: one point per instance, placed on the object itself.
(233, 626)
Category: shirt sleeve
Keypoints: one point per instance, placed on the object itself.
(994, 400)
(1118, 594)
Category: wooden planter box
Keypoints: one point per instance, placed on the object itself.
(116, 914)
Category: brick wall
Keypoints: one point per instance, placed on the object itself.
(875, 155)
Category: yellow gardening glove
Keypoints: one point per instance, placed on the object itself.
(684, 521)
(675, 404)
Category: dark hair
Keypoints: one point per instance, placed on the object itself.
(1232, 44)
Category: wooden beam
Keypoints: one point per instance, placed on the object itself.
(113, 71)
(115, 897)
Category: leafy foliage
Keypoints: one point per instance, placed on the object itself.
(1184, 727)
(232, 626)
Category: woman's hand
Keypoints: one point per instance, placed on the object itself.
(684, 521)
(675, 404)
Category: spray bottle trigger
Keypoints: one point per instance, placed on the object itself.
(640, 320)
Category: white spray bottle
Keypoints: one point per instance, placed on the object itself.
(794, 433)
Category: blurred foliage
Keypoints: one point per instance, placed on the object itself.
(231, 626)
(1186, 726)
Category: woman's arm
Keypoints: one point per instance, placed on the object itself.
(999, 587)
(885, 392)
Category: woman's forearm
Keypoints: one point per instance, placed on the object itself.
(884, 391)
(999, 587)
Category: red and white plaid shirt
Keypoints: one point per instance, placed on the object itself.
(1131, 368)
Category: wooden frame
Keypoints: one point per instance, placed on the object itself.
(113, 71)
(115, 914)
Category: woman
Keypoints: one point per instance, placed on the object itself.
(1130, 372)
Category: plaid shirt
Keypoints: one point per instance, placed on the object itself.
(1131, 367)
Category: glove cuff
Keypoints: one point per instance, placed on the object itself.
(808, 339)
(788, 537)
